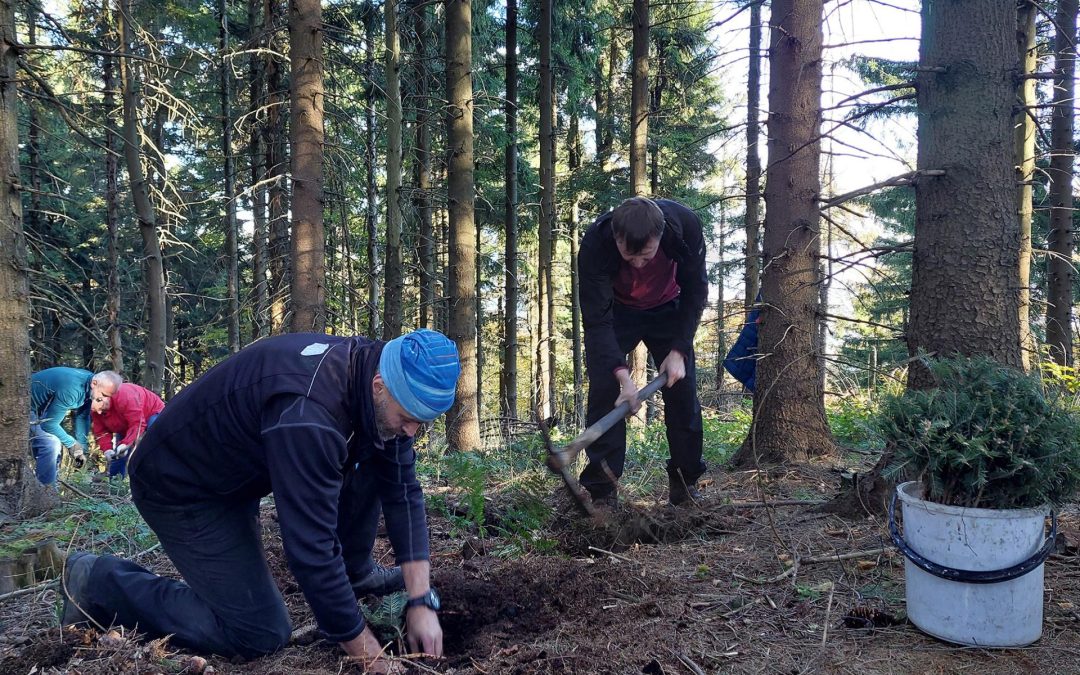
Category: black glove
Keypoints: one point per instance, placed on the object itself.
(79, 461)
(78, 455)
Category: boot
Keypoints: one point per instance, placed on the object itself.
(680, 493)
(73, 586)
(379, 581)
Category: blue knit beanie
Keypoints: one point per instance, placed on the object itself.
(421, 371)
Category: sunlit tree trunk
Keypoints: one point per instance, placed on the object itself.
(370, 131)
(964, 295)
(753, 161)
(308, 287)
(1024, 158)
(153, 377)
(112, 205)
(1059, 266)
(17, 483)
(426, 248)
(463, 426)
(575, 160)
(639, 136)
(789, 414)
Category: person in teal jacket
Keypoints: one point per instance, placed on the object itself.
(55, 392)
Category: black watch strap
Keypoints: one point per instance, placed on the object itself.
(429, 600)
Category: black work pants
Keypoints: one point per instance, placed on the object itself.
(682, 411)
(227, 603)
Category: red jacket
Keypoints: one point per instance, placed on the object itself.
(129, 410)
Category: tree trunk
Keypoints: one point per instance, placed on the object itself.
(112, 207)
(508, 383)
(964, 293)
(275, 167)
(1024, 154)
(463, 426)
(395, 275)
(546, 224)
(1059, 269)
(18, 487)
(259, 319)
(423, 170)
(639, 136)
(574, 160)
(232, 254)
(478, 285)
(789, 416)
(371, 249)
(753, 161)
(308, 286)
(153, 377)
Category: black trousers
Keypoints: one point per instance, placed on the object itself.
(228, 603)
(682, 411)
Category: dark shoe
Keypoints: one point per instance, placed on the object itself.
(73, 585)
(680, 493)
(380, 581)
(609, 501)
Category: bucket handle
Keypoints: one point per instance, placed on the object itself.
(971, 576)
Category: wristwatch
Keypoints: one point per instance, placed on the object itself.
(429, 600)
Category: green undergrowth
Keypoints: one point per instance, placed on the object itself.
(105, 524)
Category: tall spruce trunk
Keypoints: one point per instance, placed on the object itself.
(639, 138)
(308, 288)
(463, 425)
(256, 152)
(753, 161)
(154, 373)
(112, 210)
(371, 139)
(508, 383)
(232, 253)
(1024, 157)
(575, 154)
(965, 296)
(274, 141)
(1059, 266)
(426, 248)
(18, 487)
(546, 224)
(789, 415)
(395, 274)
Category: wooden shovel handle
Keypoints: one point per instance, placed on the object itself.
(600, 427)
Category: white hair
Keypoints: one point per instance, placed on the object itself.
(109, 377)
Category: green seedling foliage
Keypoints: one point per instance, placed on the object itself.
(387, 618)
(466, 472)
(987, 436)
(851, 421)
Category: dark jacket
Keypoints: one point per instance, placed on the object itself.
(54, 392)
(741, 360)
(598, 262)
(292, 415)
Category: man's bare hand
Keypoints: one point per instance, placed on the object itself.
(367, 649)
(675, 367)
(424, 631)
(629, 391)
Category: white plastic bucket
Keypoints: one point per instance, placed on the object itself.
(1004, 614)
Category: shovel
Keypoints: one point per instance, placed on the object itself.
(560, 459)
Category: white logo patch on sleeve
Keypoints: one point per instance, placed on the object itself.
(314, 349)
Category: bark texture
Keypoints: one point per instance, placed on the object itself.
(545, 302)
(965, 292)
(1024, 149)
(395, 274)
(308, 289)
(789, 414)
(753, 161)
(508, 384)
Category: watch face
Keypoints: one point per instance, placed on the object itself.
(432, 600)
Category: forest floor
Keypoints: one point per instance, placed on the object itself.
(653, 589)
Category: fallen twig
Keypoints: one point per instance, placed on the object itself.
(843, 556)
(689, 663)
(73, 488)
(772, 580)
(29, 589)
(613, 555)
(828, 611)
(779, 502)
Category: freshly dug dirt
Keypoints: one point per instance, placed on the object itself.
(650, 589)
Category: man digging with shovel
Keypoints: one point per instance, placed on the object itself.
(643, 279)
(325, 424)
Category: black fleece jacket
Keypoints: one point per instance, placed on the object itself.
(292, 415)
(598, 262)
